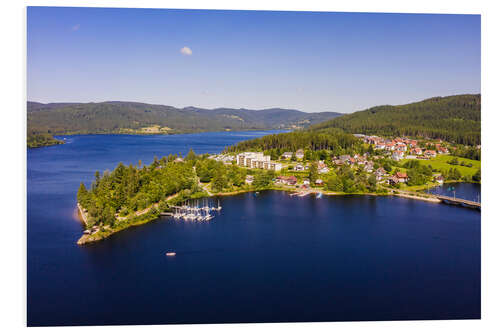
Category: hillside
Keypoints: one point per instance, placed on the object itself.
(453, 118)
(131, 117)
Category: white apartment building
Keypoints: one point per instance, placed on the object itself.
(257, 161)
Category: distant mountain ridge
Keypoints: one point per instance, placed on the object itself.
(135, 117)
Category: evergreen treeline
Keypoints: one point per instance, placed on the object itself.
(331, 139)
(132, 188)
(454, 118)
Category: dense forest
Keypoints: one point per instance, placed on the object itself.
(454, 118)
(328, 139)
(131, 188)
(130, 117)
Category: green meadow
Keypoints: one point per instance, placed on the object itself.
(440, 163)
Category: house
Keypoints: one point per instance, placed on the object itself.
(393, 180)
(380, 146)
(344, 158)
(299, 154)
(439, 179)
(306, 182)
(402, 177)
(443, 150)
(369, 166)
(379, 173)
(397, 155)
(390, 146)
(413, 143)
(430, 153)
(401, 147)
(179, 159)
(290, 180)
(249, 179)
(322, 168)
(318, 182)
(287, 155)
(416, 151)
(298, 167)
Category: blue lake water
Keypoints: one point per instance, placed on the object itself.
(264, 258)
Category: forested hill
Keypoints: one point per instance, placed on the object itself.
(131, 117)
(453, 118)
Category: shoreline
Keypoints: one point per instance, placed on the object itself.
(147, 217)
(83, 216)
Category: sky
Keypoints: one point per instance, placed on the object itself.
(310, 61)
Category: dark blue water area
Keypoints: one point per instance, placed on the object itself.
(263, 258)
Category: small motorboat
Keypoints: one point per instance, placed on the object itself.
(319, 195)
(170, 254)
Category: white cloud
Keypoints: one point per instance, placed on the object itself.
(186, 51)
(75, 27)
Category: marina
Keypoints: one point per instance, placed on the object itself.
(196, 210)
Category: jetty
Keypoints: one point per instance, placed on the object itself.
(438, 198)
(459, 201)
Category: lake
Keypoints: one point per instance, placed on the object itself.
(264, 258)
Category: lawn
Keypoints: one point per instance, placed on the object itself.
(440, 163)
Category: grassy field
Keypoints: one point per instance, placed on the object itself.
(440, 163)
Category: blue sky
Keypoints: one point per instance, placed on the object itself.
(313, 62)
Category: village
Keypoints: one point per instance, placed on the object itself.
(384, 160)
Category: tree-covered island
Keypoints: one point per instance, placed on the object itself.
(324, 161)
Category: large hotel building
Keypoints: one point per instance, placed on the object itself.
(257, 161)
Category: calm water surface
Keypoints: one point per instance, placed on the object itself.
(267, 257)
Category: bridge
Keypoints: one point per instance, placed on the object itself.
(458, 201)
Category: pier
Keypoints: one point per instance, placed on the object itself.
(458, 201)
(440, 198)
